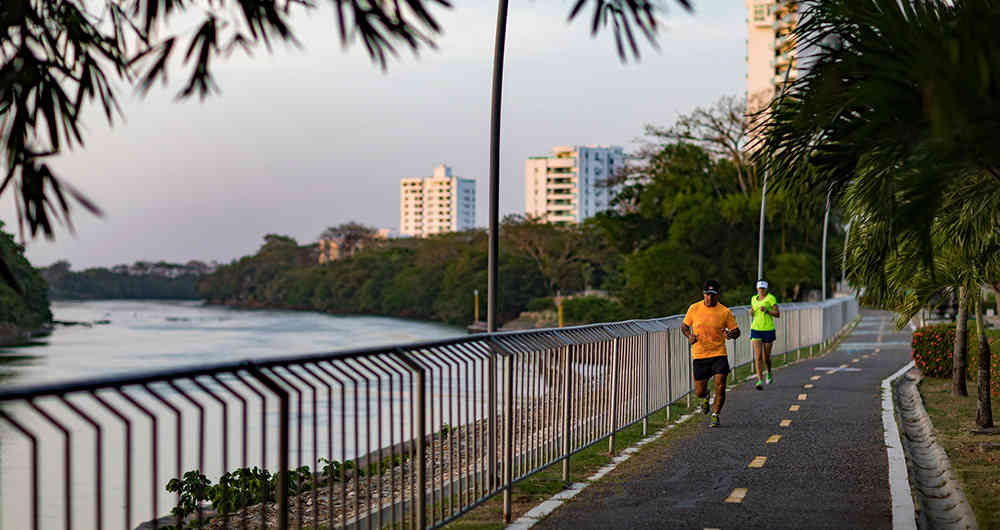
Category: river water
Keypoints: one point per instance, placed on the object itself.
(147, 335)
(122, 337)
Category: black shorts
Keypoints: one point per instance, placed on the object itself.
(706, 368)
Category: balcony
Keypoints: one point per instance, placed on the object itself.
(562, 163)
(561, 218)
(781, 61)
(780, 78)
(786, 21)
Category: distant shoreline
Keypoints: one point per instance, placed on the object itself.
(11, 335)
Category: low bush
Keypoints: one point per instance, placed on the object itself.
(592, 309)
(933, 346)
(540, 304)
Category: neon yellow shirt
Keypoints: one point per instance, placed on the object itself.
(761, 320)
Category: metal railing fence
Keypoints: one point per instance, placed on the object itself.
(403, 436)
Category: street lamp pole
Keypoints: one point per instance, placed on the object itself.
(494, 229)
(826, 223)
(843, 260)
(763, 190)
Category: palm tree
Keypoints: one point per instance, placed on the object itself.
(898, 114)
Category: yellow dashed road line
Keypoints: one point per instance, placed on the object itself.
(802, 397)
(843, 365)
(774, 439)
(808, 385)
(758, 462)
(815, 378)
(737, 495)
(855, 360)
(793, 408)
(785, 423)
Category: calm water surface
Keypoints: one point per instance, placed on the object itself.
(146, 335)
(150, 335)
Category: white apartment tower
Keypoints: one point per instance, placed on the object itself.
(568, 186)
(436, 204)
(771, 48)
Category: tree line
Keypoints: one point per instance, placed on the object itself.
(139, 281)
(685, 210)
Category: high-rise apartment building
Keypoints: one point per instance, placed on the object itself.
(771, 48)
(569, 186)
(436, 204)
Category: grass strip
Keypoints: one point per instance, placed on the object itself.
(975, 458)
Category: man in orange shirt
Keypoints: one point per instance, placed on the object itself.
(707, 325)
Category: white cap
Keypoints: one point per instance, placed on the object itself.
(762, 284)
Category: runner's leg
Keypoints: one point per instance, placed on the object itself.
(767, 357)
(701, 388)
(720, 392)
(758, 356)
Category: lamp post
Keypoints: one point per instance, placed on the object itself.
(763, 190)
(843, 260)
(494, 230)
(826, 223)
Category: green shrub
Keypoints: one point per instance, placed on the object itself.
(933, 347)
(541, 304)
(241, 488)
(592, 309)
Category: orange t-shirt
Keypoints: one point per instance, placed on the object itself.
(709, 324)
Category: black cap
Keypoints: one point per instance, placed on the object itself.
(711, 287)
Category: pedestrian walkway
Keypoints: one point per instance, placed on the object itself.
(806, 452)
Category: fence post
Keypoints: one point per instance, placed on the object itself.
(508, 436)
(690, 373)
(614, 395)
(491, 403)
(567, 410)
(645, 390)
(421, 435)
(670, 377)
(283, 444)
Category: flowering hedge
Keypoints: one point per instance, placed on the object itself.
(933, 346)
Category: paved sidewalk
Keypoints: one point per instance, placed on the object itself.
(828, 469)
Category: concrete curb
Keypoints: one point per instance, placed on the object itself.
(539, 512)
(903, 511)
(941, 502)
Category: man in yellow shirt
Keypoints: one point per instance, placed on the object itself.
(707, 325)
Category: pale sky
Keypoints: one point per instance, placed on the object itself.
(308, 138)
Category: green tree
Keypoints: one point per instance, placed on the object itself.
(29, 309)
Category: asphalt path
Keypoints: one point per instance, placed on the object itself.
(828, 469)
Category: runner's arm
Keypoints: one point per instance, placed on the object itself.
(775, 312)
(732, 329)
(691, 337)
